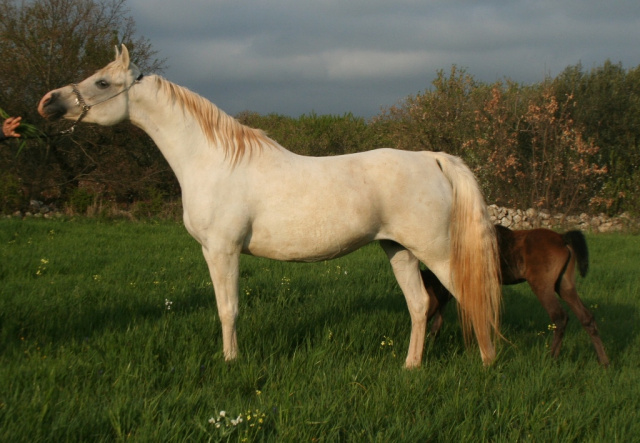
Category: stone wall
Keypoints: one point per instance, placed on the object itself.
(532, 218)
(510, 218)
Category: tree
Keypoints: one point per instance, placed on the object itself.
(315, 135)
(439, 119)
(608, 108)
(49, 43)
(564, 173)
(522, 142)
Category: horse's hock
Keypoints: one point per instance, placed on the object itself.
(532, 218)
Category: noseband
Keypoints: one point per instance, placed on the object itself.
(85, 108)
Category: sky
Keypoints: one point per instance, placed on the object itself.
(294, 57)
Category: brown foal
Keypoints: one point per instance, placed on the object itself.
(547, 261)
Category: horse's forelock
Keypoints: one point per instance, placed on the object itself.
(236, 139)
(112, 70)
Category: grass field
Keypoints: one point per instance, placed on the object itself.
(109, 332)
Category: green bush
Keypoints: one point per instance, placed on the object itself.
(316, 135)
(80, 201)
(11, 195)
(152, 205)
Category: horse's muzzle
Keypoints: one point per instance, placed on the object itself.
(50, 106)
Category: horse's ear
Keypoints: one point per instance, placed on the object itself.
(117, 52)
(124, 57)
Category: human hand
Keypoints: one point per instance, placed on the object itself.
(10, 125)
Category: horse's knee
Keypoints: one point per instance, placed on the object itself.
(227, 315)
(559, 318)
(589, 324)
(561, 323)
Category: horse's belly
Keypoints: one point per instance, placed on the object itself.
(309, 241)
(303, 252)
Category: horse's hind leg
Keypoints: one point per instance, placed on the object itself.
(406, 268)
(547, 297)
(570, 295)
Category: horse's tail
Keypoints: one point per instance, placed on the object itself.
(475, 263)
(578, 243)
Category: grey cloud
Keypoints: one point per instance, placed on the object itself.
(294, 57)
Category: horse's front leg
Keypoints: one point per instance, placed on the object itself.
(224, 269)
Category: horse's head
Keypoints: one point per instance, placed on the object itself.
(101, 98)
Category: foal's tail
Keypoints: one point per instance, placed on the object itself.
(475, 263)
(578, 243)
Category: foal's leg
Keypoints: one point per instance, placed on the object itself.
(436, 323)
(439, 296)
(543, 289)
(435, 312)
(570, 295)
(224, 270)
(406, 268)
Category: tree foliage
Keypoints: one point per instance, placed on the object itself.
(566, 144)
(316, 135)
(49, 43)
(440, 119)
(608, 109)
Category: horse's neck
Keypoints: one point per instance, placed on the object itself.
(176, 132)
(187, 148)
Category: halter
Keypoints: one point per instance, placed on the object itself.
(85, 108)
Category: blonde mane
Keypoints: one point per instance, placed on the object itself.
(236, 139)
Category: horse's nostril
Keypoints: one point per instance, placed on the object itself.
(50, 107)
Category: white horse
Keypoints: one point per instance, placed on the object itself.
(244, 193)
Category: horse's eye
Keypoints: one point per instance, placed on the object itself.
(102, 84)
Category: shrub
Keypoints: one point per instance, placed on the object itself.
(11, 195)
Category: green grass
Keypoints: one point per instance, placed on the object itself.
(109, 331)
